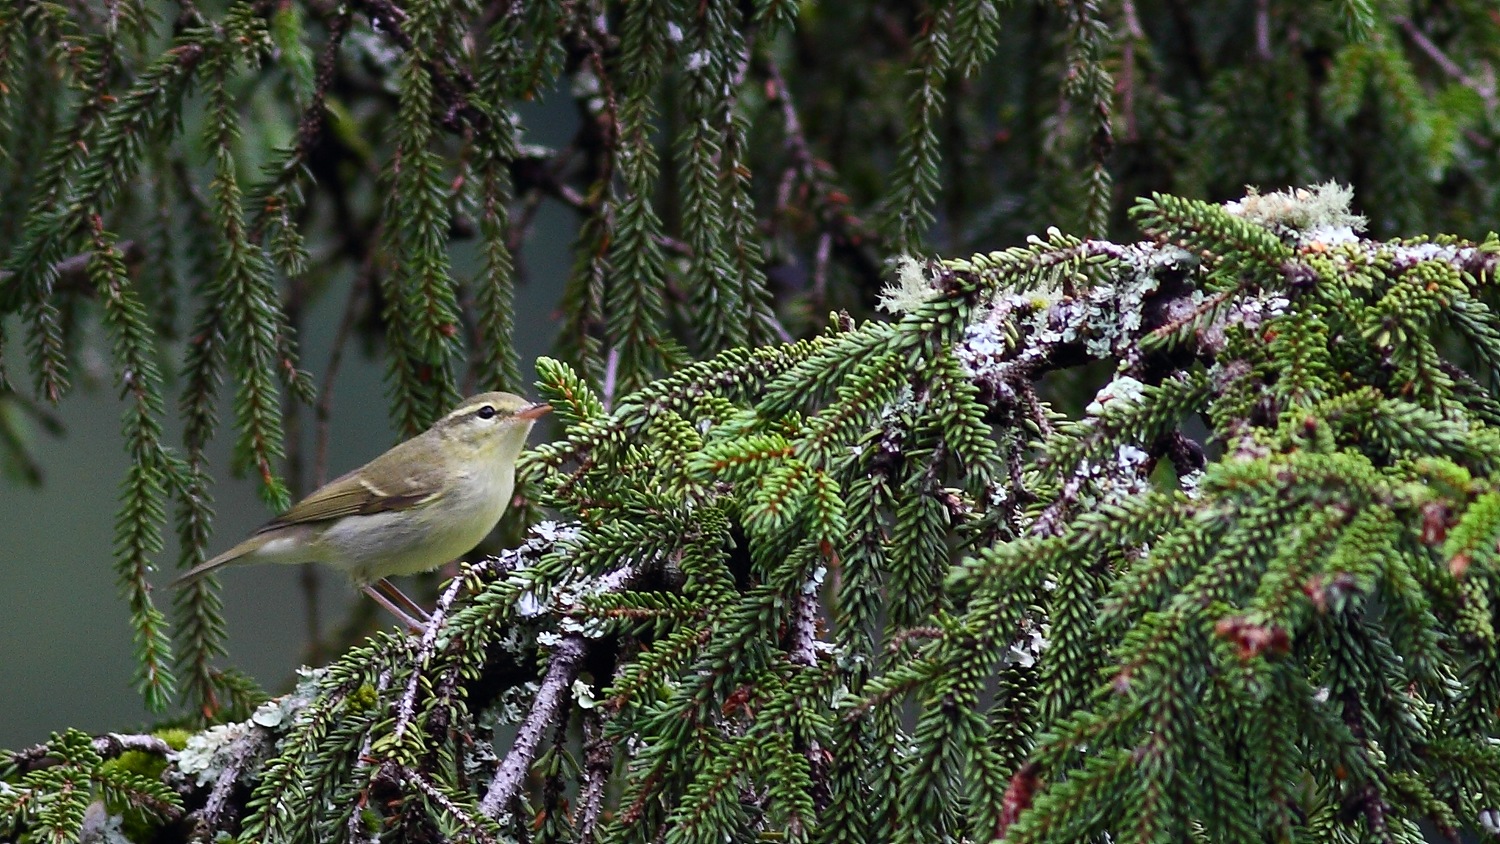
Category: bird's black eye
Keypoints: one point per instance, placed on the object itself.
(486, 412)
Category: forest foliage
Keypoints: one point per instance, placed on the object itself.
(1177, 519)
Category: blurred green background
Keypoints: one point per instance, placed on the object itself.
(67, 658)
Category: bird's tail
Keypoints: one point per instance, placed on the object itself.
(233, 555)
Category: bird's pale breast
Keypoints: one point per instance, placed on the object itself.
(418, 539)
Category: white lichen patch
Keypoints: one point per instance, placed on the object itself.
(510, 708)
(1304, 215)
(912, 286)
(480, 759)
(814, 581)
(541, 539)
(551, 532)
(583, 695)
(985, 347)
(588, 628)
(1126, 476)
(284, 711)
(1020, 327)
(206, 754)
(99, 826)
(1121, 392)
(1255, 310)
(1189, 484)
(1028, 647)
(529, 605)
(1112, 314)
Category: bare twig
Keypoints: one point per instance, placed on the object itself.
(294, 306)
(473, 829)
(322, 413)
(804, 652)
(529, 202)
(611, 368)
(820, 270)
(246, 748)
(406, 707)
(1263, 30)
(804, 638)
(598, 764)
(113, 744)
(72, 272)
(567, 657)
(108, 745)
(324, 410)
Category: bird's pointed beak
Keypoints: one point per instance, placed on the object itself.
(534, 411)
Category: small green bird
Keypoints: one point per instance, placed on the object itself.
(412, 509)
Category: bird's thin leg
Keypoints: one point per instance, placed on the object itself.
(415, 609)
(411, 623)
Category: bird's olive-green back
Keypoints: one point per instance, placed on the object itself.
(411, 473)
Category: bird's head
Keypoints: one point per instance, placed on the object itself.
(493, 425)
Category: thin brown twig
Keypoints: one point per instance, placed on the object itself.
(1420, 40)
(293, 307)
(310, 126)
(72, 272)
(537, 182)
(1134, 34)
(311, 577)
(830, 206)
(598, 764)
(324, 410)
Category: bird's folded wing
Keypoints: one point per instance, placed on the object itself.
(353, 495)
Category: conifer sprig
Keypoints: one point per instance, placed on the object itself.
(152, 470)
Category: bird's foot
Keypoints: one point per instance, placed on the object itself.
(415, 623)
